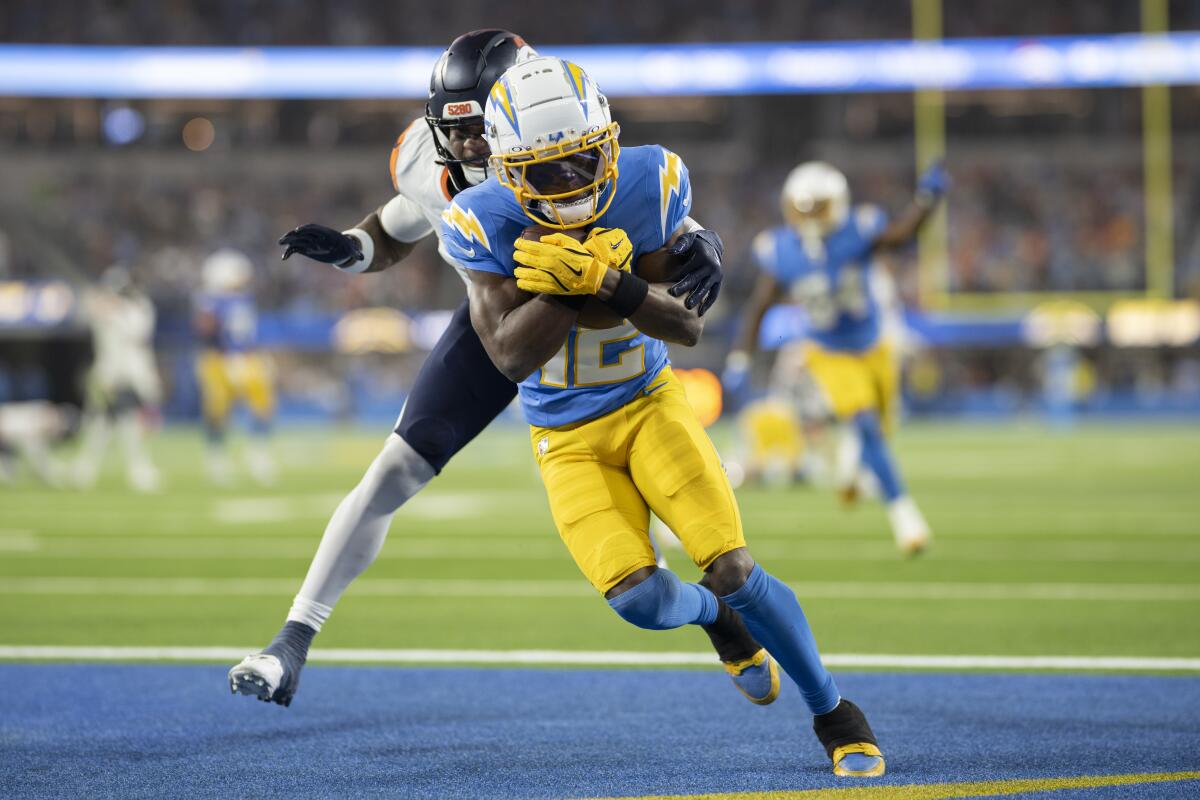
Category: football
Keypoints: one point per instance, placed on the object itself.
(656, 267)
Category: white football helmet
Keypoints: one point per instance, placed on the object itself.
(553, 141)
(226, 270)
(815, 199)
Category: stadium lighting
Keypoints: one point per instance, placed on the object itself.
(198, 134)
(623, 70)
(123, 125)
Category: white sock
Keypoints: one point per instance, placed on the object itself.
(358, 527)
(141, 471)
(218, 464)
(95, 438)
(847, 455)
(259, 461)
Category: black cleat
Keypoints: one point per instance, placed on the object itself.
(849, 742)
(274, 674)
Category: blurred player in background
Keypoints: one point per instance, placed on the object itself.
(771, 443)
(610, 424)
(784, 437)
(231, 368)
(123, 386)
(458, 390)
(28, 432)
(821, 259)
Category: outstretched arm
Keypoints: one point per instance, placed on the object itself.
(384, 238)
(736, 375)
(930, 189)
(766, 293)
(519, 330)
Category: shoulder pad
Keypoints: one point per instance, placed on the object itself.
(412, 156)
(764, 248)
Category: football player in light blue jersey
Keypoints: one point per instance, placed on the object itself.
(595, 371)
(610, 425)
(458, 391)
(821, 259)
(230, 366)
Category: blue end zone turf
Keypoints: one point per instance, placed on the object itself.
(141, 731)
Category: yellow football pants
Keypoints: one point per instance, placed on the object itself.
(854, 382)
(603, 477)
(226, 378)
(771, 430)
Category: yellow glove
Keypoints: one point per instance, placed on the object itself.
(610, 245)
(557, 264)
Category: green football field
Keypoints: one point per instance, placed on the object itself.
(1048, 543)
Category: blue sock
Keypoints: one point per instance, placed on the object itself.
(775, 619)
(259, 426)
(877, 456)
(662, 602)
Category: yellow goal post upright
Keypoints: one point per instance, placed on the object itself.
(929, 121)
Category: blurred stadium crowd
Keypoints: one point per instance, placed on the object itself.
(1046, 185)
(372, 23)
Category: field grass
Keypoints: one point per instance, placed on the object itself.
(1084, 542)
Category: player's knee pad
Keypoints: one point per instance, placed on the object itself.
(662, 602)
(434, 437)
(397, 473)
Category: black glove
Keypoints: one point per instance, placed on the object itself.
(702, 270)
(321, 244)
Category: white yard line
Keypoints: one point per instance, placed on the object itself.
(18, 540)
(545, 548)
(287, 508)
(597, 658)
(485, 588)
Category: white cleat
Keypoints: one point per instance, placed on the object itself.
(261, 466)
(259, 675)
(909, 526)
(145, 479)
(218, 467)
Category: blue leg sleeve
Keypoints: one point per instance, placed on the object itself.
(877, 456)
(774, 618)
(662, 602)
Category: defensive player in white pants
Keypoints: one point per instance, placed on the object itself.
(458, 390)
(122, 382)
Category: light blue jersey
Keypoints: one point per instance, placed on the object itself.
(235, 315)
(596, 371)
(830, 278)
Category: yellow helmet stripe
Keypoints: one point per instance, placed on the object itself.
(503, 101)
(577, 84)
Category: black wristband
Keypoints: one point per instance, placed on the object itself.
(629, 295)
(574, 302)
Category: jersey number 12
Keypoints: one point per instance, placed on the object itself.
(583, 355)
